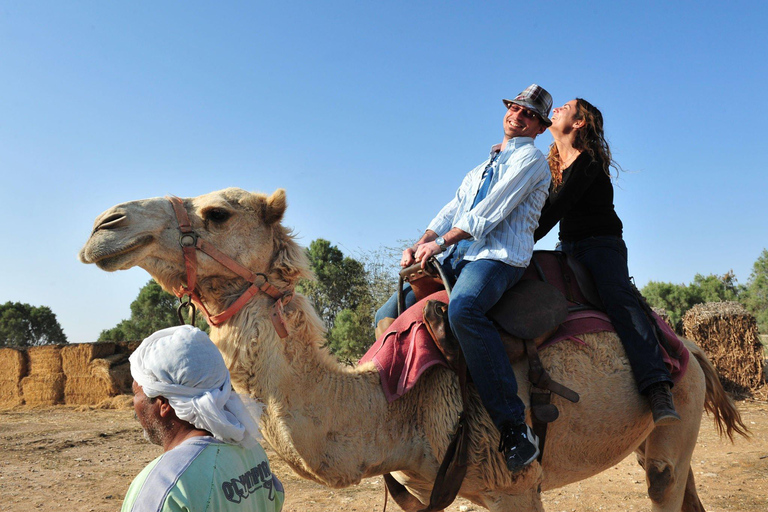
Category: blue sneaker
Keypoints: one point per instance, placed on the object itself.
(519, 445)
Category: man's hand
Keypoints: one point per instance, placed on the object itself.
(426, 251)
(408, 258)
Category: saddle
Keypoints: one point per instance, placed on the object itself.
(525, 316)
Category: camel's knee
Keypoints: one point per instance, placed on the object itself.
(661, 478)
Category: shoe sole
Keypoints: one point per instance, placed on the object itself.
(527, 463)
(667, 420)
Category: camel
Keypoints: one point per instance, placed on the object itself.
(332, 423)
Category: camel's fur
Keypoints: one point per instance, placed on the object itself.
(332, 423)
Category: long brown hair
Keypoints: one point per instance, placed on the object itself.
(589, 138)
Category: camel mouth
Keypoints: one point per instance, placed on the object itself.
(108, 257)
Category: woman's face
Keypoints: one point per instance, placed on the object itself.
(564, 118)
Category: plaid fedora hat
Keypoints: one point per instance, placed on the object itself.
(535, 98)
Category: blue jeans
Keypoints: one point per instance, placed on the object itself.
(479, 285)
(606, 258)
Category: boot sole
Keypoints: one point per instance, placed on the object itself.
(666, 420)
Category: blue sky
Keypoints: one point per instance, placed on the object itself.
(358, 109)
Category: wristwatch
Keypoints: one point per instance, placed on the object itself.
(440, 241)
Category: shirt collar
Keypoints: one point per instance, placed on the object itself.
(514, 142)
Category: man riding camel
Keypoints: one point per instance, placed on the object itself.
(483, 238)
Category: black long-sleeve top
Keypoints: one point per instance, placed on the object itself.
(583, 204)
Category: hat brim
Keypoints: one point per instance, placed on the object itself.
(543, 119)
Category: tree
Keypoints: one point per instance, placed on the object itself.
(714, 288)
(153, 309)
(676, 299)
(23, 325)
(340, 281)
(756, 291)
(347, 293)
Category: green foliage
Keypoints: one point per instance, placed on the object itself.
(23, 325)
(676, 299)
(153, 309)
(341, 281)
(756, 292)
(346, 294)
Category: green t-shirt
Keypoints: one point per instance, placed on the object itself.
(203, 474)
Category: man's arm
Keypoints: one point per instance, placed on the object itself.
(426, 247)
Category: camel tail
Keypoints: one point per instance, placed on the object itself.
(717, 402)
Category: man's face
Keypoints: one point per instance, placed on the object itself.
(147, 412)
(521, 122)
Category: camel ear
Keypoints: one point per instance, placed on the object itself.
(275, 207)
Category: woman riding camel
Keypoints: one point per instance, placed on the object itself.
(581, 199)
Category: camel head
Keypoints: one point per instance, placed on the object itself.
(243, 225)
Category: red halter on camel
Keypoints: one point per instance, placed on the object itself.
(191, 243)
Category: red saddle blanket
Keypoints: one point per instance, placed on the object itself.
(406, 350)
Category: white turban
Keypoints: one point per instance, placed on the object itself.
(183, 365)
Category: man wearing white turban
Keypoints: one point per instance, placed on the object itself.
(211, 458)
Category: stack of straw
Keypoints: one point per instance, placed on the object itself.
(728, 334)
(94, 372)
(45, 383)
(13, 367)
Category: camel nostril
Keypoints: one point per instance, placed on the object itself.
(111, 222)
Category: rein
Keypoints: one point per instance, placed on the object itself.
(190, 243)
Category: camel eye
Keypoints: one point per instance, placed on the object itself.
(217, 215)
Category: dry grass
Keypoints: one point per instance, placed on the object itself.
(728, 333)
(13, 367)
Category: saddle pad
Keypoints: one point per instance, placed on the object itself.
(403, 353)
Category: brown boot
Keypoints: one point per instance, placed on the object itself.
(662, 405)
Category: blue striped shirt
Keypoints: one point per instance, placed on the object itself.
(502, 224)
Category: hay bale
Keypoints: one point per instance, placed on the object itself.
(45, 383)
(13, 367)
(100, 380)
(13, 364)
(76, 358)
(89, 389)
(126, 347)
(44, 360)
(728, 334)
(43, 389)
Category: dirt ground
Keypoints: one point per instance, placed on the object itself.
(84, 460)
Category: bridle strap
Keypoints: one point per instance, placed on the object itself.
(191, 243)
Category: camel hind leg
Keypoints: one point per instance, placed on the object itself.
(666, 452)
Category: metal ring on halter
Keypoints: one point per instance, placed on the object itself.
(189, 305)
(261, 275)
(185, 238)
